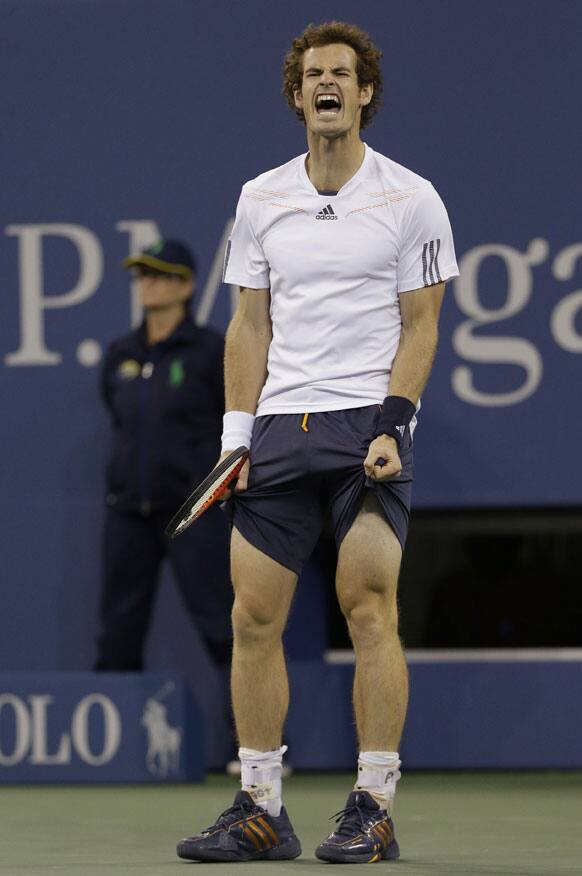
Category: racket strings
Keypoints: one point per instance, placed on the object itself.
(209, 496)
(206, 499)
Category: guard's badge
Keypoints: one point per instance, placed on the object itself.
(128, 369)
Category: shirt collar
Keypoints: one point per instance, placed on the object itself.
(347, 186)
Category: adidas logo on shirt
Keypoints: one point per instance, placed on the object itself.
(326, 213)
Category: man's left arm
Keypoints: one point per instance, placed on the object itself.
(420, 310)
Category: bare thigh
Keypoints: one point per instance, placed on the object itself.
(368, 561)
(263, 588)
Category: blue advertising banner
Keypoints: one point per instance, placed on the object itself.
(128, 119)
(87, 727)
(496, 710)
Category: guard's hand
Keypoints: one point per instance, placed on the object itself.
(241, 482)
(383, 447)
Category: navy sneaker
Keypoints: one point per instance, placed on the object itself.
(365, 834)
(245, 832)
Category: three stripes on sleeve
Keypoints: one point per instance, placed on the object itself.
(430, 269)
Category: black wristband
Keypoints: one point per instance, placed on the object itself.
(397, 412)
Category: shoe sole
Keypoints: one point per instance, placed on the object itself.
(337, 856)
(285, 852)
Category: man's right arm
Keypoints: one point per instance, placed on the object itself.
(247, 346)
(245, 359)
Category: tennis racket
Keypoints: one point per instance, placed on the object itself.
(208, 492)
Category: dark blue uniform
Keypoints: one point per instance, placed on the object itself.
(166, 404)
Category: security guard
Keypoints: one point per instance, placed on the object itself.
(163, 386)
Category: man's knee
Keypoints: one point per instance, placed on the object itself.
(371, 615)
(254, 622)
(263, 591)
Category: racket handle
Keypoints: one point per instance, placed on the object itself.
(380, 461)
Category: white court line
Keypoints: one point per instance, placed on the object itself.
(472, 655)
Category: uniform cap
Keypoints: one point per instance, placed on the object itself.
(166, 256)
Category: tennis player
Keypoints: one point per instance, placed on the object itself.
(341, 256)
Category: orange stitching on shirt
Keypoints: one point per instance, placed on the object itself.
(384, 203)
(255, 196)
(264, 194)
(409, 191)
(287, 207)
(263, 198)
(370, 207)
(277, 194)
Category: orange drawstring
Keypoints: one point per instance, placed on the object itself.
(304, 425)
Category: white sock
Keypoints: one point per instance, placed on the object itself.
(378, 772)
(261, 776)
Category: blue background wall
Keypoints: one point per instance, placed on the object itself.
(124, 119)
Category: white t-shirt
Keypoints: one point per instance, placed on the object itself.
(335, 266)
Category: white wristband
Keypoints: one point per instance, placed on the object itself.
(237, 429)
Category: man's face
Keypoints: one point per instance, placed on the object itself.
(159, 291)
(330, 96)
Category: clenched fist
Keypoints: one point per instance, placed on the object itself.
(383, 447)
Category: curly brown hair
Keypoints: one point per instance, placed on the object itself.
(367, 66)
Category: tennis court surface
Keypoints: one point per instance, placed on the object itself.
(448, 824)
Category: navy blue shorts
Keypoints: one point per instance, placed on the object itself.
(299, 481)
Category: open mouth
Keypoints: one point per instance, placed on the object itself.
(327, 104)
